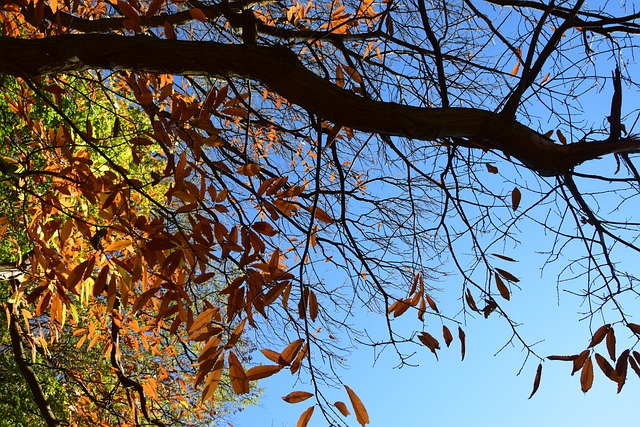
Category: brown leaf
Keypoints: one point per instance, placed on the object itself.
(507, 275)
(586, 377)
(491, 168)
(606, 368)
(634, 366)
(516, 196)
(564, 358)
(599, 335)
(578, 362)
(320, 215)
(313, 306)
(461, 336)
(297, 396)
(361, 412)
(213, 380)
(621, 369)
(305, 417)
(238, 377)
(430, 342)
(504, 257)
(446, 334)
(561, 137)
(502, 288)
(536, 381)
(611, 344)
(198, 14)
(470, 301)
(250, 169)
(432, 304)
(270, 354)
(634, 328)
(342, 408)
(290, 352)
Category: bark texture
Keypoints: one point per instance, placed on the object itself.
(278, 68)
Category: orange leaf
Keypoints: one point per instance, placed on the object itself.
(320, 215)
(249, 169)
(238, 377)
(289, 352)
(599, 335)
(118, 245)
(342, 408)
(264, 371)
(265, 228)
(270, 354)
(586, 377)
(198, 14)
(516, 196)
(432, 304)
(144, 298)
(203, 319)
(514, 70)
(361, 412)
(305, 417)
(211, 384)
(297, 396)
(536, 381)
(502, 288)
(430, 342)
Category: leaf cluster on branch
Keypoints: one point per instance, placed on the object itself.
(198, 176)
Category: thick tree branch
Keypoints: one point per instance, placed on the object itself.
(28, 373)
(278, 68)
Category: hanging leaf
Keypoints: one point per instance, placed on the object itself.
(491, 168)
(536, 381)
(579, 361)
(461, 336)
(611, 344)
(361, 412)
(504, 257)
(515, 69)
(470, 301)
(198, 14)
(342, 408)
(430, 342)
(634, 328)
(290, 352)
(599, 335)
(249, 169)
(238, 377)
(621, 369)
(561, 137)
(297, 396)
(516, 196)
(507, 275)
(606, 368)
(446, 334)
(564, 358)
(586, 377)
(502, 288)
(305, 417)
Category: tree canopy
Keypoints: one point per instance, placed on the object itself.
(314, 161)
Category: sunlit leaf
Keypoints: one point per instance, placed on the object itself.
(305, 417)
(342, 408)
(297, 396)
(358, 407)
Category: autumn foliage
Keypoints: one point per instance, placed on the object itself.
(185, 180)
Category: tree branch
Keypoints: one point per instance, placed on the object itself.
(280, 69)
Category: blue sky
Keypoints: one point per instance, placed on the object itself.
(484, 389)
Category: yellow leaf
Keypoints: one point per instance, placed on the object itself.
(361, 412)
(297, 396)
(305, 417)
(118, 245)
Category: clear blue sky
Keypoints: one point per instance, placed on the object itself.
(484, 389)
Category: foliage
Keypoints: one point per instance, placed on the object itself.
(321, 159)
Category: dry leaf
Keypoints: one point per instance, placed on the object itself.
(586, 377)
(342, 408)
(502, 288)
(446, 334)
(599, 335)
(297, 396)
(516, 196)
(461, 336)
(536, 381)
(305, 417)
(361, 412)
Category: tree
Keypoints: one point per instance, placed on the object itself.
(386, 141)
